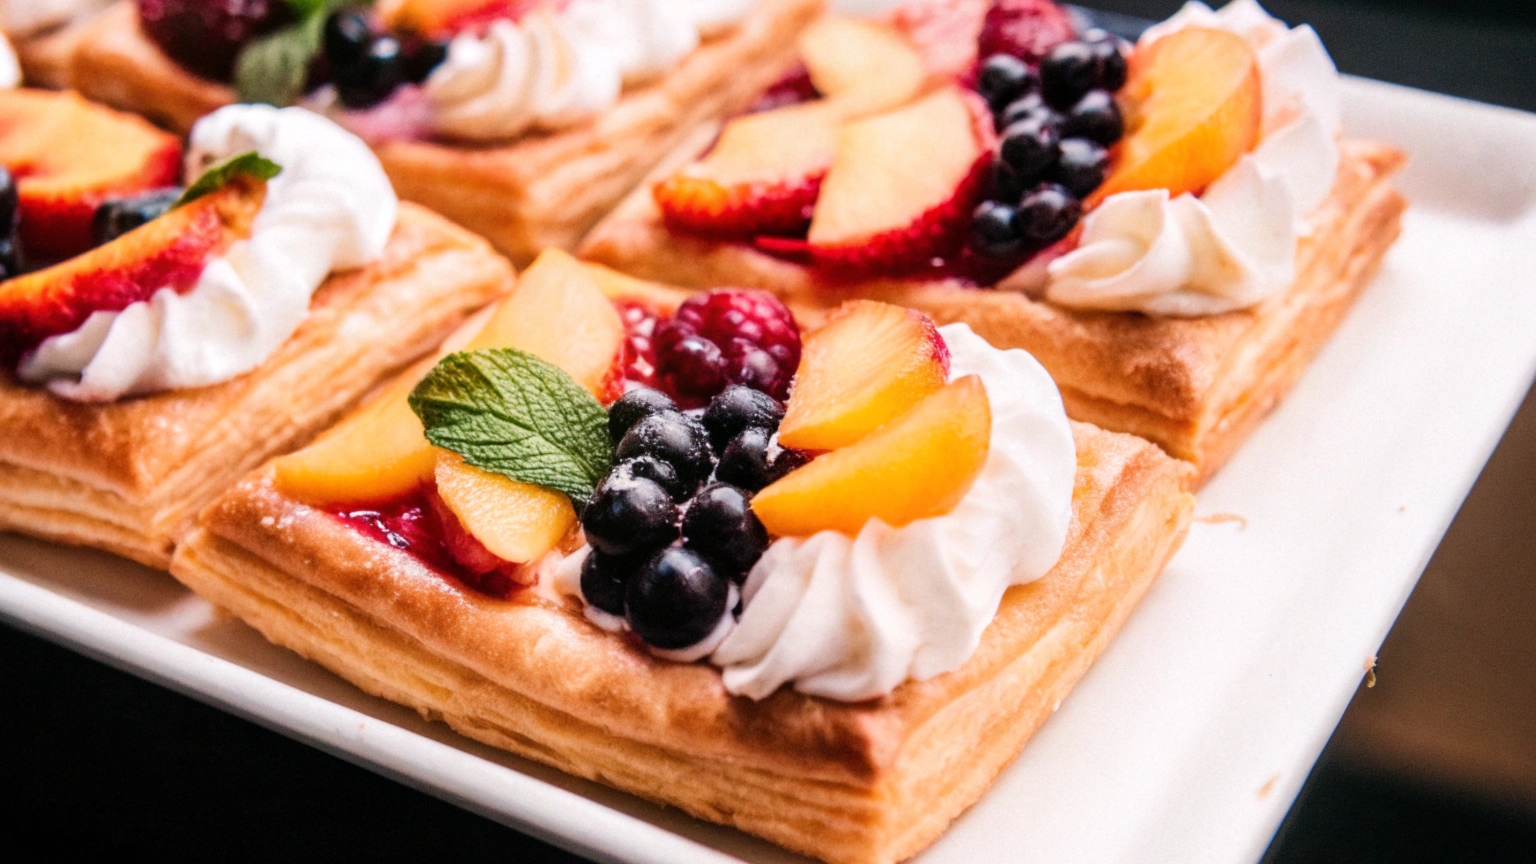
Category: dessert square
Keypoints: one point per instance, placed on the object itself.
(527, 191)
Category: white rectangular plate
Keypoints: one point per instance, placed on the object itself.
(1190, 737)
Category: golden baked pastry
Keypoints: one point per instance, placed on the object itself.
(849, 783)
(128, 476)
(534, 192)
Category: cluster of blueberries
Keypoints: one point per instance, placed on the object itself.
(366, 67)
(685, 476)
(1056, 125)
(10, 249)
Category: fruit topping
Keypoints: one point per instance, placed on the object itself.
(723, 337)
(169, 252)
(1030, 145)
(676, 599)
(861, 65)
(635, 405)
(671, 437)
(752, 461)
(794, 87)
(720, 525)
(117, 216)
(443, 18)
(1068, 72)
(67, 156)
(1095, 117)
(516, 522)
(995, 229)
(10, 251)
(629, 515)
(1003, 79)
(736, 409)
(1027, 29)
(1109, 53)
(605, 578)
(1081, 167)
(1048, 214)
(640, 322)
(468, 558)
(917, 466)
(1193, 102)
(206, 36)
(901, 188)
(870, 363)
(663, 474)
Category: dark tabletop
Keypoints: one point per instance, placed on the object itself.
(98, 762)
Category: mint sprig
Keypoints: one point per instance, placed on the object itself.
(250, 164)
(274, 68)
(509, 412)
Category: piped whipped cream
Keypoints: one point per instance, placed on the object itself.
(851, 618)
(25, 17)
(1236, 244)
(10, 69)
(554, 68)
(330, 208)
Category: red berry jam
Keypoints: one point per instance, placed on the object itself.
(792, 89)
(1027, 29)
(206, 36)
(640, 323)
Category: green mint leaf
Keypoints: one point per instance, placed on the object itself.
(273, 69)
(509, 412)
(251, 164)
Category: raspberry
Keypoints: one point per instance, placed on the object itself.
(206, 36)
(728, 336)
(640, 323)
(1027, 29)
(793, 88)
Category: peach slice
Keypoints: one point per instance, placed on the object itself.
(916, 467)
(869, 364)
(68, 156)
(517, 522)
(170, 251)
(862, 65)
(1193, 104)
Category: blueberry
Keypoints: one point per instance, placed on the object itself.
(1048, 213)
(995, 229)
(661, 473)
(10, 259)
(422, 56)
(1082, 166)
(372, 77)
(346, 37)
(635, 404)
(1109, 59)
(745, 461)
(736, 408)
(1007, 186)
(1003, 78)
(628, 514)
(1027, 106)
(604, 578)
(1067, 73)
(1095, 117)
(117, 216)
(721, 526)
(674, 438)
(8, 203)
(787, 461)
(1029, 146)
(676, 599)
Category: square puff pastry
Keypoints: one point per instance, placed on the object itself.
(537, 191)
(129, 476)
(850, 783)
(1195, 386)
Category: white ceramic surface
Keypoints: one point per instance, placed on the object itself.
(1190, 737)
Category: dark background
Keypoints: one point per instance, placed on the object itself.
(1436, 764)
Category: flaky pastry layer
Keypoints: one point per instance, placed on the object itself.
(129, 476)
(538, 191)
(862, 783)
(1196, 386)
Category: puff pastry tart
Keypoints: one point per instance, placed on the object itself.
(160, 341)
(1173, 228)
(523, 121)
(829, 621)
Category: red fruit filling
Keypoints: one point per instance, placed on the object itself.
(206, 36)
(640, 323)
(792, 89)
(1027, 29)
(724, 337)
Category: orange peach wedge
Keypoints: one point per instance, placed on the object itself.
(862, 65)
(869, 364)
(517, 522)
(1193, 104)
(916, 467)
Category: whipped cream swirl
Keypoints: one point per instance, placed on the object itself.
(851, 618)
(1236, 244)
(10, 69)
(331, 208)
(25, 17)
(552, 68)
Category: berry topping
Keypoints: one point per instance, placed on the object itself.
(676, 599)
(604, 579)
(1028, 106)
(422, 56)
(1068, 72)
(1110, 68)
(1030, 146)
(738, 408)
(1082, 166)
(672, 437)
(792, 89)
(1048, 213)
(346, 37)
(1004, 78)
(10, 257)
(661, 473)
(1027, 29)
(634, 406)
(749, 461)
(721, 526)
(728, 336)
(629, 515)
(640, 323)
(206, 36)
(372, 77)
(1095, 117)
(995, 229)
(117, 216)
